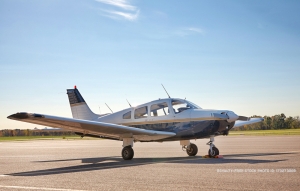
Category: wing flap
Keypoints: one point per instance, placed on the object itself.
(92, 127)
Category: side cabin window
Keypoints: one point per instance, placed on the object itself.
(141, 112)
(159, 109)
(127, 115)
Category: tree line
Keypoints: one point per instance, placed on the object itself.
(279, 121)
(34, 132)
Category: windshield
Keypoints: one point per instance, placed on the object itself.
(194, 105)
(181, 105)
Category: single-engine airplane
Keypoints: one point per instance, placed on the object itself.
(169, 119)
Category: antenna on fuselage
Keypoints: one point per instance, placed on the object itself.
(108, 107)
(128, 103)
(165, 90)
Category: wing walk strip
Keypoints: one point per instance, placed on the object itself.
(38, 188)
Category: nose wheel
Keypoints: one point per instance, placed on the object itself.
(213, 150)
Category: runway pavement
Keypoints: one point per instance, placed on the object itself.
(249, 163)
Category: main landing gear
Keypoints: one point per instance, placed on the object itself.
(127, 151)
(190, 148)
(213, 150)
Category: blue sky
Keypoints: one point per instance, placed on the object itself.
(238, 55)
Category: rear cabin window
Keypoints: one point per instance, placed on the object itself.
(127, 115)
(160, 109)
(141, 112)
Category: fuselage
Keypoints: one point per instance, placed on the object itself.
(182, 117)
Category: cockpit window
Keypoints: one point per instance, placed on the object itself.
(141, 112)
(127, 115)
(160, 109)
(181, 105)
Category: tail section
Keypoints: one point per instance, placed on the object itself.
(79, 108)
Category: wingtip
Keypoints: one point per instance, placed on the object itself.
(20, 115)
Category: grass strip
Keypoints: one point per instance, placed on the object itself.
(267, 132)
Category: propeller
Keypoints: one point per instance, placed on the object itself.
(243, 118)
(230, 116)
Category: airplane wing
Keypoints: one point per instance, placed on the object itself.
(239, 123)
(105, 130)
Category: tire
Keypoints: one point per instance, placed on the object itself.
(215, 152)
(193, 150)
(127, 153)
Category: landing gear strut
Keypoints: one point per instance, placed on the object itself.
(191, 149)
(213, 150)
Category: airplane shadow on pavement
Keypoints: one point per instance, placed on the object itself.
(101, 163)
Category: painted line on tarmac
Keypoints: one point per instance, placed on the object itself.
(38, 188)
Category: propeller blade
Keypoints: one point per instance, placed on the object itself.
(243, 118)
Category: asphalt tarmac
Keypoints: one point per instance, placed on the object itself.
(249, 163)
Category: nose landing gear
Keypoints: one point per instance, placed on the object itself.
(213, 150)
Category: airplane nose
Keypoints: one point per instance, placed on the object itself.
(231, 116)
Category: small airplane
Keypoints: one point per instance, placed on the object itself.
(169, 119)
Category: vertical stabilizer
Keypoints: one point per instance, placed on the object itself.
(80, 110)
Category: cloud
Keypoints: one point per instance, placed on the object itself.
(127, 16)
(120, 9)
(190, 31)
(197, 30)
(119, 3)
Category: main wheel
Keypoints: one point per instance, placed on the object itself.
(127, 153)
(193, 150)
(214, 152)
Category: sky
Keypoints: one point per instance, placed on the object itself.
(242, 56)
